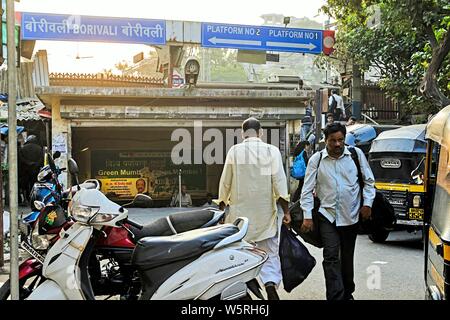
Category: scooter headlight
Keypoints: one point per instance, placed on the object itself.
(100, 218)
(83, 213)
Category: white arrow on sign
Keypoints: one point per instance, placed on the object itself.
(215, 40)
(309, 46)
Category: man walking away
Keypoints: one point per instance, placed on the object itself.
(306, 121)
(333, 175)
(336, 105)
(252, 182)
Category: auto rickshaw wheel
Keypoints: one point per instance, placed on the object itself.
(379, 236)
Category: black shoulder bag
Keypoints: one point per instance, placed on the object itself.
(383, 215)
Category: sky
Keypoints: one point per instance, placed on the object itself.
(62, 54)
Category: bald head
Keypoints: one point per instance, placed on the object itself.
(251, 128)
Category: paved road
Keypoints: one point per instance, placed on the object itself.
(389, 271)
(398, 262)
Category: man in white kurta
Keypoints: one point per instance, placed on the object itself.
(252, 182)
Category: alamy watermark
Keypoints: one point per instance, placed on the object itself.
(210, 146)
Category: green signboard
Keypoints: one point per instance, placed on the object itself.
(5, 33)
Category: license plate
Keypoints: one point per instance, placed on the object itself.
(415, 214)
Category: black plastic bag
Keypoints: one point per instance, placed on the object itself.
(296, 261)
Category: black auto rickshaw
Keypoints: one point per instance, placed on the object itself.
(437, 216)
(393, 157)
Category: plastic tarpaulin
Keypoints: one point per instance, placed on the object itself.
(409, 139)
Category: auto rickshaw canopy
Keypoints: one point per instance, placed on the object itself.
(438, 129)
(408, 139)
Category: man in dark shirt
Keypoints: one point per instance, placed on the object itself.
(31, 159)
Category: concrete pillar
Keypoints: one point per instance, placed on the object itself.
(61, 139)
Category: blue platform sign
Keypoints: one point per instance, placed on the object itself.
(42, 26)
(215, 35)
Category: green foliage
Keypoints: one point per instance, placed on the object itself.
(399, 47)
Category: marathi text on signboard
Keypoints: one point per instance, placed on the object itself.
(39, 26)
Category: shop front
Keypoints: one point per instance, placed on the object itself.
(143, 140)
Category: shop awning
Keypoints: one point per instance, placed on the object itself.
(27, 109)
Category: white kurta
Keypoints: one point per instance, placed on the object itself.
(252, 181)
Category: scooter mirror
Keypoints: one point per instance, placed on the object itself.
(51, 163)
(39, 205)
(73, 167)
(56, 155)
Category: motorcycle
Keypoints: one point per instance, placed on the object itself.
(48, 204)
(117, 276)
(168, 266)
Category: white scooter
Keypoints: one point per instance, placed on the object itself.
(200, 264)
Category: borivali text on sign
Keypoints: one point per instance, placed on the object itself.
(232, 310)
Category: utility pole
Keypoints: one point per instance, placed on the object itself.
(356, 91)
(12, 149)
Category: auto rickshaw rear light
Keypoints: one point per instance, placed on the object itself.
(416, 201)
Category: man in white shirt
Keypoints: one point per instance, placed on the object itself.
(186, 200)
(252, 182)
(333, 175)
(339, 110)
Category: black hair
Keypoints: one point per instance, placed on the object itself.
(300, 147)
(333, 128)
(140, 179)
(251, 124)
(334, 91)
(352, 118)
(330, 115)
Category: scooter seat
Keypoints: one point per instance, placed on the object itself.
(181, 222)
(152, 252)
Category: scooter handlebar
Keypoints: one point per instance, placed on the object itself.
(134, 224)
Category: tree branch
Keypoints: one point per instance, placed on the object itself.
(429, 86)
(431, 36)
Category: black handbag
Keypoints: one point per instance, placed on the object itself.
(383, 214)
(296, 261)
(312, 237)
(382, 218)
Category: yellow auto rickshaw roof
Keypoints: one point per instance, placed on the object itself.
(438, 129)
